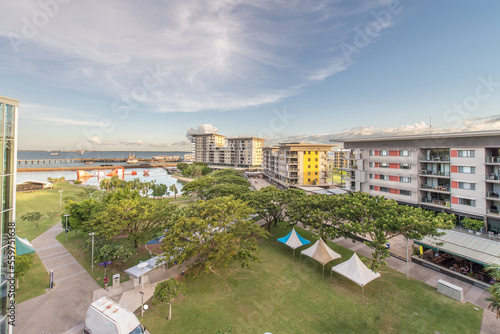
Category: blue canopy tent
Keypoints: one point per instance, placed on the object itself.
(294, 240)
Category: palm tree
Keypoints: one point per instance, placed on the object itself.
(173, 189)
(494, 300)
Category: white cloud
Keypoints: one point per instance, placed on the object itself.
(202, 129)
(183, 55)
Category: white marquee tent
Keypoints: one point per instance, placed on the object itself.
(321, 253)
(356, 271)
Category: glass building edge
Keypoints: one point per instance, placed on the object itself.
(9, 130)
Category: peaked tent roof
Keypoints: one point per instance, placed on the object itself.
(23, 246)
(356, 271)
(294, 240)
(321, 252)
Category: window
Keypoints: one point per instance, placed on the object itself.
(308, 173)
(467, 185)
(404, 153)
(316, 159)
(316, 152)
(466, 201)
(371, 153)
(315, 166)
(315, 173)
(372, 187)
(384, 165)
(308, 180)
(466, 153)
(466, 169)
(404, 179)
(404, 166)
(384, 189)
(405, 192)
(308, 166)
(384, 177)
(384, 152)
(372, 164)
(308, 159)
(371, 176)
(308, 152)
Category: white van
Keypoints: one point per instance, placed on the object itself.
(105, 316)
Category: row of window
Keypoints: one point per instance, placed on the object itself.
(388, 190)
(404, 179)
(466, 153)
(309, 159)
(401, 153)
(309, 152)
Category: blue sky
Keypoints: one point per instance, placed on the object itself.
(128, 75)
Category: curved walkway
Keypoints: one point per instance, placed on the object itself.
(64, 307)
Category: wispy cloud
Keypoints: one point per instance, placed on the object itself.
(185, 55)
(51, 115)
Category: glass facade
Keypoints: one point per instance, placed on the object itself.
(8, 110)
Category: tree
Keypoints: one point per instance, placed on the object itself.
(159, 190)
(473, 224)
(213, 232)
(182, 165)
(199, 187)
(118, 252)
(321, 214)
(271, 203)
(33, 216)
(80, 213)
(227, 189)
(23, 264)
(494, 271)
(167, 291)
(173, 188)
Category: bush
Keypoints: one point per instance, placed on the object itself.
(119, 253)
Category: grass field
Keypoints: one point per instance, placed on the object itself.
(35, 282)
(43, 201)
(284, 296)
(76, 247)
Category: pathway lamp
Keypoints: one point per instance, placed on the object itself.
(141, 266)
(92, 260)
(66, 238)
(60, 200)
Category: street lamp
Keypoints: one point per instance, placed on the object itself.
(141, 266)
(66, 238)
(92, 261)
(60, 200)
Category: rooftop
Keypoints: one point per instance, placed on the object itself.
(419, 136)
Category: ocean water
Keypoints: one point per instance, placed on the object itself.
(155, 174)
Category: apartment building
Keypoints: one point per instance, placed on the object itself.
(296, 164)
(456, 173)
(218, 150)
(8, 133)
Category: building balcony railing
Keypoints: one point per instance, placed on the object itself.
(493, 212)
(434, 173)
(491, 194)
(442, 188)
(492, 160)
(439, 202)
(433, 158)
(494, 177)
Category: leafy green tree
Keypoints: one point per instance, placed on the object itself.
(494, 299)
(173, 188)
(271, 203)
(214, 232)
(159, 190)
(118, 252)
(23, 264)
(80, 213)
(182, 165)
(227, 189)
(473, 224)
(199, 187)
(167, 291)
(33, 216)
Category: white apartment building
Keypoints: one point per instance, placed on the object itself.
(456, 173)
(296, 164)
(218, 150)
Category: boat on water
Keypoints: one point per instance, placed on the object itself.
(88, 163)
(146, 172)
(131, 159)
(55, 153)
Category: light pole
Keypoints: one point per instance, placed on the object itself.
(66, 238)
(141, 266)
(92, 261)
(60, 200)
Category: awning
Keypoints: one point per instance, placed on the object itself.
(23, 246)
(470, 247)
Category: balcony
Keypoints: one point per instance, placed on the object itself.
(492, 160)
(438, 202)
(493, 212)
(441, 188)
(491, 194)
(435, 158)
(492, 177)
(434, 173)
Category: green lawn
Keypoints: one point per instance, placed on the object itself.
(76, 247)
(35, 282)
(44, 202)
(284, 296)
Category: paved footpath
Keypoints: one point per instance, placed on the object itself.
(64, 307)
